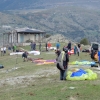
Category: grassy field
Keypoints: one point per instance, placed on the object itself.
(27, 81)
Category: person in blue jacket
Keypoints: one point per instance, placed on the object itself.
(57, 45)
(99, 57)
(75, 49)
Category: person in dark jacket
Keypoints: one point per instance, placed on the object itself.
(65, 65)
(34, 45)
(24, 56)
(46, 45)
(40, 46)
(69, 46)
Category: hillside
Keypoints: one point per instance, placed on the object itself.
(73, 22)
(42, 4)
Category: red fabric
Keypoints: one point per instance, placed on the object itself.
(71, 52)
(49, 45)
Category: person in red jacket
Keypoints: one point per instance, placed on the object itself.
(49, 45)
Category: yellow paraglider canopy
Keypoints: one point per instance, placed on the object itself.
(86, 75)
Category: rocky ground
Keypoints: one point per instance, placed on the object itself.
(57, 37)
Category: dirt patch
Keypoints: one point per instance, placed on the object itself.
(29, 78)
(41, 73)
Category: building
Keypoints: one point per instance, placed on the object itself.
(23, 35)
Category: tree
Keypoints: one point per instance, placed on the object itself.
(84, 41)
(47, 35)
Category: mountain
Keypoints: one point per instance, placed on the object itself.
(75, 19)
(44, 4)
(73, 22)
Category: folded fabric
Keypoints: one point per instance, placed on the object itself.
(78, 73)
(83, 63)
(81, 75)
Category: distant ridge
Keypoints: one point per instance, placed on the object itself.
(72, 22)
(44, 4)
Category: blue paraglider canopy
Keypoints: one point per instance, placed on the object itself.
(78, 73)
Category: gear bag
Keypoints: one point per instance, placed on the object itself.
(61, 58)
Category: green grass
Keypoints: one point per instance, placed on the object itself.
(34, 82)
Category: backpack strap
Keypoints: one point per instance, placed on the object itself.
(63, 53)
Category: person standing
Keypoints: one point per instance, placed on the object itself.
(62, 63)
(78, 50)
(69, 46)
(79, 46)
(57, 45)
(75, 49)
(31, 46)
(34, 45)
(46, 45)
(2, 51)
(99, 58)
(14, 48)
(49, 45)
(40, 46)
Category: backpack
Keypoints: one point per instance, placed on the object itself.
(61, 58)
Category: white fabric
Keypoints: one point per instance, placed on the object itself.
(30, 52)
(34, 52)
(52, 48)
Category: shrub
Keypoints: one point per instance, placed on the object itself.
(84, 41)
(47, 35)
(28, 41)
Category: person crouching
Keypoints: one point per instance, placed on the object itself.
(24, 56)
